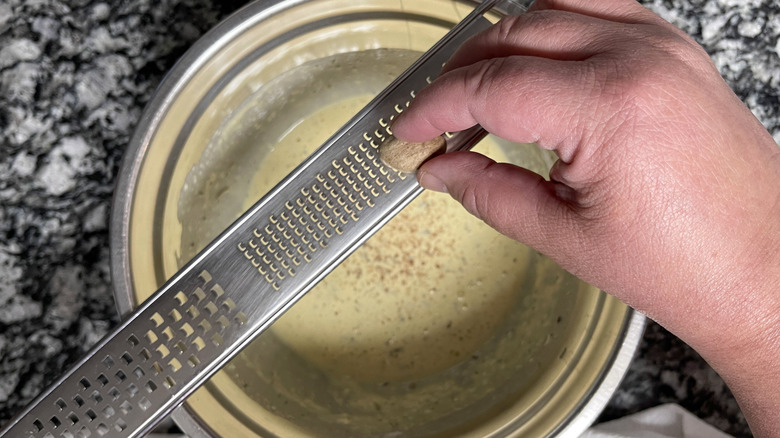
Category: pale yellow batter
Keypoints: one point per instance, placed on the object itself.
(446, 327)
(421, 295)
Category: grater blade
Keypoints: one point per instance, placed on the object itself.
(243, 281)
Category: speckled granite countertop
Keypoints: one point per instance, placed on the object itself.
(74, 78)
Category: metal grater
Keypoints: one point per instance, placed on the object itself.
(244, 280)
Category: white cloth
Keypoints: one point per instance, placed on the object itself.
(664, 421)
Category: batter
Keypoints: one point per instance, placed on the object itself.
(421, 295)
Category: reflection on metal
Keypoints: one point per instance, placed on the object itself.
(215, 305)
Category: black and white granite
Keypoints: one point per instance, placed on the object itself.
(74, 78)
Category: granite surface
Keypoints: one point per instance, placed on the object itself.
(74, 78)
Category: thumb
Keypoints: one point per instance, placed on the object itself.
(515, 201)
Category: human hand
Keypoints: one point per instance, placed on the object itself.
(667, 191)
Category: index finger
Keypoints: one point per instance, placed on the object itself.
(519, 98)
(556, 29)
(619, 11)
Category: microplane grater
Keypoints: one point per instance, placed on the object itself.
(243, 281)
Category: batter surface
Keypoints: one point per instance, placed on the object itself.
(434, 325)
(421, 295)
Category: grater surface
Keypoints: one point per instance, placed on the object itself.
(244, 280)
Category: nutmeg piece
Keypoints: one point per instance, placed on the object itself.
(407, 156)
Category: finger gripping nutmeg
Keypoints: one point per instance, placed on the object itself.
(408, 156)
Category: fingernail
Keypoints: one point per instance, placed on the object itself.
(431, 182)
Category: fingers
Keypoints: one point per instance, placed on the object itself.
(522, 99)
(546, 33)
(526, 79)
(622, 11)
(557, 29)
(513, 200)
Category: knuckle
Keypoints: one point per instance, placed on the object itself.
(653, 57)
(506, 28)
(485, 77)
(470, 198)
(475, 194)
(543, 21)
(514, 29)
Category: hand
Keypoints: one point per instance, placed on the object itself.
(667, 190)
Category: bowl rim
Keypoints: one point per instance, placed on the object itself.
(165, 94)
(615, 368)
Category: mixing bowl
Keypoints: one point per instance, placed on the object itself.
(437, 326)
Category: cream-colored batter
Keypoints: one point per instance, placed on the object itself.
(431, 322)
(421, 295)
(359, 355)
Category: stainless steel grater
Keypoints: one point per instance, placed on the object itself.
(243, 281)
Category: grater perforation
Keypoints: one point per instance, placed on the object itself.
(321, 209)
(244, 280)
